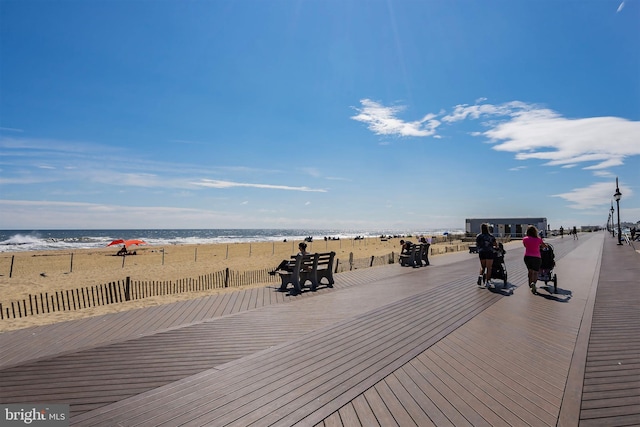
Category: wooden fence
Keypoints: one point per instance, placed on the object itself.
(127, 290)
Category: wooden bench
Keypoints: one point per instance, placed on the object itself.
(413, 256)
(310, 267)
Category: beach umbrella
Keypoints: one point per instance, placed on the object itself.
(127, 243)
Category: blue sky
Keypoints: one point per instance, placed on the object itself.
(398, 115)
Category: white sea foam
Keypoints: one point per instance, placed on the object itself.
(18, 241)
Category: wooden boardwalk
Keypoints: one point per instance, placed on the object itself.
(387, 346)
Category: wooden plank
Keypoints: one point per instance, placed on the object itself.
(405, 399)
(348, 416)
(364, 412)
(440, 410)
(253, 379)
(379, 409)
(611, 395)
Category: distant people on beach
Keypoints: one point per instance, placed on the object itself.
(575, 233)
(287, 265)
(485, 242)
(123, 252)
(532, 257)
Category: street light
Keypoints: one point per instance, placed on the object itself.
(617, 196)
(613, 224)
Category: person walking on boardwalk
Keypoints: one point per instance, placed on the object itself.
(485, 242)
(561, 232)
(532, 257)
(575, 233)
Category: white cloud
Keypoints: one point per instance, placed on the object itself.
(597, 194)
(602, 142)
(529, 131)
(382, 120)
(620, 7)
(212, 183)
(464, 111)
(539, 133)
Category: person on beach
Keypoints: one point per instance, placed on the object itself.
(286, 264)
(485, 242)
(532, 257)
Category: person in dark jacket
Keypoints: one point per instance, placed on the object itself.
(485, 242)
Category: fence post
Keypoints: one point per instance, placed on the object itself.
(162, 256)
(226, 277)
(127, 289)
(71, 267)
(372, 258)
(195, 257)
(350, 261)
(11, 269)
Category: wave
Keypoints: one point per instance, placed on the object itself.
(20, 241)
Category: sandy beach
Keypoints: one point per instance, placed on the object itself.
(50, 271)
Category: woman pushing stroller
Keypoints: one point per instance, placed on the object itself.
(532, 257)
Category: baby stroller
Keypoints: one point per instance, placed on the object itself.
(499, 269)
(546, 273)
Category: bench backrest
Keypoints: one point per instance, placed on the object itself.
(324, 261)
(303, 262)
(317, 261)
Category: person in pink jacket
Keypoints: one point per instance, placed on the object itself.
(532, 258)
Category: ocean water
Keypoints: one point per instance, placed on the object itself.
(39, 240)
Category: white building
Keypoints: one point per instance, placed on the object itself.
(501, 227)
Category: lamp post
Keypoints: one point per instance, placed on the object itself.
(613, 224)
(617, 196)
